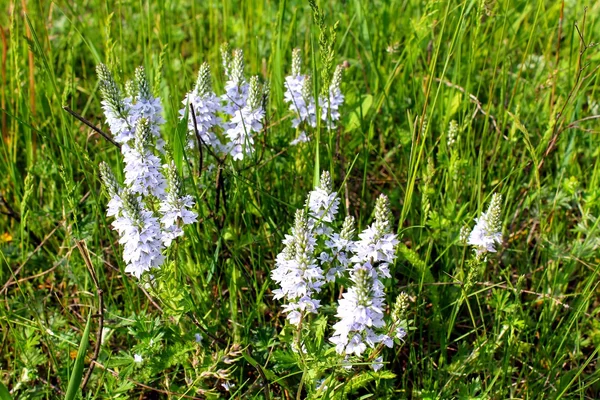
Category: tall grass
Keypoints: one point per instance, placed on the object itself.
(520, 79)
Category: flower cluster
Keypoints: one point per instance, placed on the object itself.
(299, 95)
(242, 108)
(245, 123)
(323, 205)
(361, 309)
(175, 208)
(236, 87)
(487, 230)
(298, 271)
(203, 107)
(364, 262)
(136, 121)
(330, 105)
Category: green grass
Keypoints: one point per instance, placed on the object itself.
(520, 82)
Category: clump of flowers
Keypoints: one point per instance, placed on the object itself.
(299, 96)
(487, 230)
(361, 309)
(227, 124)
(298, 271)
(236, 87)
(246, 122)
(484, 237)
(143, 232)
(204, 104)
(330, 105)
(364, 262)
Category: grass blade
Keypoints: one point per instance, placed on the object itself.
(4, 394)
(77, 374)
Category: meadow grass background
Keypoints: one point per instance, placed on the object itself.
(519, 77)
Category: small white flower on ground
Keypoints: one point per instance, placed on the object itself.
(137, 358)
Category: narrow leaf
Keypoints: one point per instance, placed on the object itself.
(77, 373)
(4, 393)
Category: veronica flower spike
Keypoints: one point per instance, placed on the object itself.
(146, 106)
(323, 205)
(176, 208)
(236, 87)
(297, 271)
(298, 94)
(142, 167)
(115, 204)
(487, 230)
(205, 105)
(140, 235)
(330, 106)
(246, 122)
(117, 110)
(361, 309)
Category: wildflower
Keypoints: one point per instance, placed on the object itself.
(131, 89)
(146, 106)
(198, 338)
(175, 208)
(297, 272)
(361, 313)
(226, 58)
(330, 106)
(463, 236)
(378, 364)
(137, 358)
(228, 385)
(236, 87)
(399, 322)
(361, 308)
(487, 228)
(205, 105)
(116, 109)
(320, 385)
(377, 244)
(300, 139)
(293, 82)
(112, 187)
(142, 167)
(140, 235)
(298, 89)
(322, 204)
(340, 244)
(245, 122)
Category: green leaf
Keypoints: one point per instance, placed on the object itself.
(359, 113)
(320, 326)
(77, 374)
(4, 393)
(360, 381)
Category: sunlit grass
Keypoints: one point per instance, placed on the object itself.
(519, 78)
